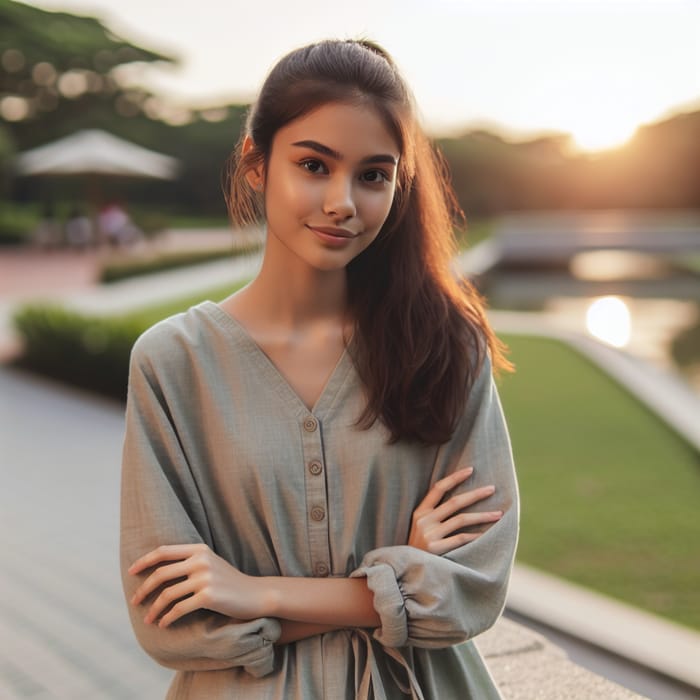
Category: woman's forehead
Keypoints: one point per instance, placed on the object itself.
(349, 130)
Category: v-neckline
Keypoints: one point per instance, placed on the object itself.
(333, 382)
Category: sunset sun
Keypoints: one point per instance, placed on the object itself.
(602, 124)
(602, 135)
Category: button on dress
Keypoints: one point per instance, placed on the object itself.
(220, 449)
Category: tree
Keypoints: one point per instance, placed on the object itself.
(55, 68)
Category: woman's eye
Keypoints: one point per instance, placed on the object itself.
(313, 165)
(375, 176)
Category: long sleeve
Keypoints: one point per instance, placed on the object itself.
(160, 504)
(426, 600)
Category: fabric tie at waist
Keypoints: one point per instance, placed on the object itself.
(368, 674)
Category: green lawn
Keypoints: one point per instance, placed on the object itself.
(689, 261)
(610, 495)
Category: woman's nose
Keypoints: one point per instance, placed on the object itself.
(339, 201)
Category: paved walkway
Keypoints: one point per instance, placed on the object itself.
(64, 631)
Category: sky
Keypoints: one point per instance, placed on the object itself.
(596, 69)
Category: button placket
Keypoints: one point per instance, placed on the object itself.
(316, 497)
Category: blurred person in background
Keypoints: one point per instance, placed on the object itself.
(79, 232)
(116, 227)
(48, 232)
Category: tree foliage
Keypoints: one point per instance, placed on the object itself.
(56, 67)
(64, 40)
(58, 74)
(658, 168)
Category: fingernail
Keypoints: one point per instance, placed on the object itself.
(491, 489)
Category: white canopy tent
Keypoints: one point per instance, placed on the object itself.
(96, 152)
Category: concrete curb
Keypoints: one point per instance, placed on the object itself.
(634, 634)
(146, 290)
(525, 665)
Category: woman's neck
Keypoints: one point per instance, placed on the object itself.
(294, 299)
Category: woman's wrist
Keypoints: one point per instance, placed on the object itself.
(270, 596)
(339, 602)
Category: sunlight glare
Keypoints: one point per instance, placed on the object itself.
(609, 320)
(593, 135)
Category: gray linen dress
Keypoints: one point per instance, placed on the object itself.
(220, 449)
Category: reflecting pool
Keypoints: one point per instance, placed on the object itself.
(643, 304)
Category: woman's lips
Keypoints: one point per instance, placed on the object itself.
(333, 231)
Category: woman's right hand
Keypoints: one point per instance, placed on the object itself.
(434, 522)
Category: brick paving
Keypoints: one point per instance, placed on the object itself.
(28, 272)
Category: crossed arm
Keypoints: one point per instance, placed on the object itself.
(189, 577)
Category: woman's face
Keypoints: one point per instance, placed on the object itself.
(329, 184)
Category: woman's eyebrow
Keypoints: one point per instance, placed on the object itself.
(326, 151)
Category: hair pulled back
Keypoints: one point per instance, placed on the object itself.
(423, 333)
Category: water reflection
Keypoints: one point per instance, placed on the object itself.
(609, 320)
(653, 324)
(641, 303)
(603, 265)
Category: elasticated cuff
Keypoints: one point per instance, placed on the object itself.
(261, 657)
(388, 602)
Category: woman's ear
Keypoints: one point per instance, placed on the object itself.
(255, 175)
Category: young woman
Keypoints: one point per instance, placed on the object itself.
(300, 516)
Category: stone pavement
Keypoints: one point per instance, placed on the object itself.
(64, 629)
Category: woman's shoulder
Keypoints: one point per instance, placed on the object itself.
(175, 337)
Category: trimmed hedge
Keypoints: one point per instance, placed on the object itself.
(89, 352)
(93, 352)
(16, 224)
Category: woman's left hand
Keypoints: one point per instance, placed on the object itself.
(191, 577)
(436, 523)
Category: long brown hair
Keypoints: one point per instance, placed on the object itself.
(423, 332)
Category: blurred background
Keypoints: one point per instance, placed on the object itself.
(572, 131)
